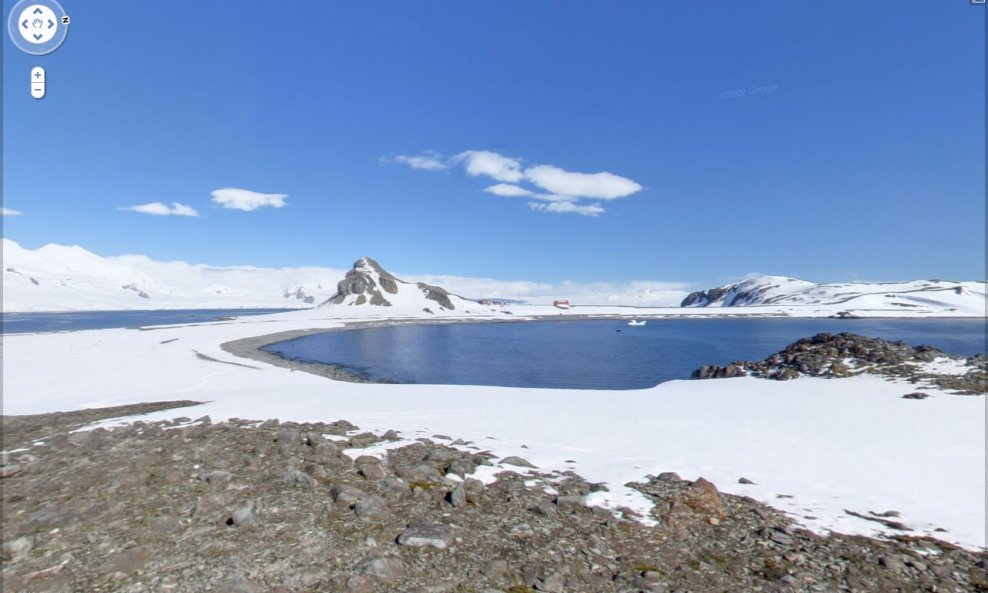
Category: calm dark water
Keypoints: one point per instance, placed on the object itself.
(593, 354)
(20, 323)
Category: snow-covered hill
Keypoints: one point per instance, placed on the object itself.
(70, 278)
(918, 295)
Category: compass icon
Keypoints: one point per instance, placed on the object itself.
(37, 27)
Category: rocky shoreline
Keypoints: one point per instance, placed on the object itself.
(243, 507)
(846, 355)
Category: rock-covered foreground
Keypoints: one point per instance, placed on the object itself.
(846, 354)
(244, 507)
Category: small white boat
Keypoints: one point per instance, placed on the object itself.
(636, 323)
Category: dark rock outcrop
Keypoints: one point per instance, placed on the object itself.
(702, 298)
(846, 354)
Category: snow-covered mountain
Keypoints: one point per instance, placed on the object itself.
(779, 290)
(367, 284)
(70, 278)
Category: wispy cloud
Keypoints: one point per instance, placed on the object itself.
(555, 189)
(429, 160)
(160, 209)
(246, 200)
(593, 210)
(10, 212)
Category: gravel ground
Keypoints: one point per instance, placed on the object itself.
(243, 507)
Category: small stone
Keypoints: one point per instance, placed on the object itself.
(516, 461)
(370, 468)
(363, 440)
(371, 507)
(218, 476)
(243, 515)
(916, 395)
(10, 470)
(346, 495)
(494, 569)
(359, 583)
(326, 450)
(237, 585)
(571, 500)
(891, 563)
(917, 564)
(780, 538)
(314, 439)
(554, 583)
(393, 487)
(743, 480)
(461, 467)
(545, 508)
(287, 435)
(421, 472)
(652, 576)
(669, 477)
(458, 496)
(435, 535)
(386, 569)
(18, 548)
(300, 478)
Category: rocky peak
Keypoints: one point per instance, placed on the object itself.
(367, 283)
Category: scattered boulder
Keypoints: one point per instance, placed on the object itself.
(702, 497)
(426, 534)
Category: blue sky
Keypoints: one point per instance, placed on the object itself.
(828, 141)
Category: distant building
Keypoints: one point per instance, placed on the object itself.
(561, 304)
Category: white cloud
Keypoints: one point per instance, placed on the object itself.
(242, 199)
(567, 206)
(159, 209)
(562, 189)
(507, 190)
(429, 160)
(490, 164)
(9, 212)
(601, 186)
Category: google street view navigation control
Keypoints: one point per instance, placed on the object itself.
(38, 27)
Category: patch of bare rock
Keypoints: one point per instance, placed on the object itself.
(277, 507)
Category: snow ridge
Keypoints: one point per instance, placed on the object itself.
(781, 290)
